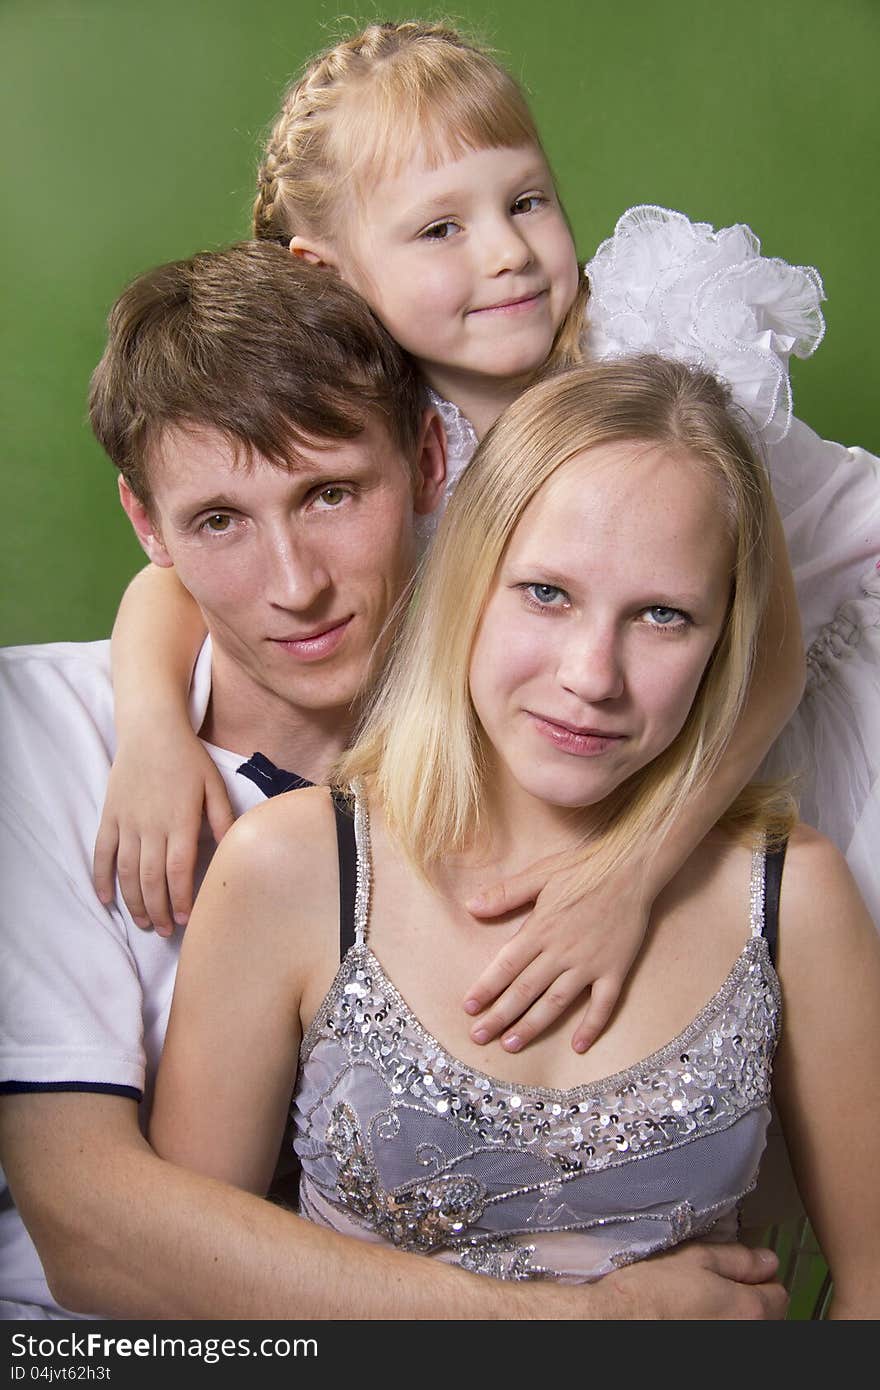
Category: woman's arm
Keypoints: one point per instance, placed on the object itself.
(162, 779)
(827, 1071)
(572, 941)
(253, 942)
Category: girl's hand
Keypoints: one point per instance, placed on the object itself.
(568, 944)
(150, 827)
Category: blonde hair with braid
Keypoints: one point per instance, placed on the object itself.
(363, 108)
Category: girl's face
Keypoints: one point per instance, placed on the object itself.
(606, 608)
(470, 266)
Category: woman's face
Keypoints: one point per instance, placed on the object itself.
(606, 608)
(470, 265)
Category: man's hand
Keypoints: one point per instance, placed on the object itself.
(697, 1282)
(573, 941)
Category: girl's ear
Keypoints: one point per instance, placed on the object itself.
(314, 252)
(430, 470)
(144, 527)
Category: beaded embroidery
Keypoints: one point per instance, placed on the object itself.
(492, 1152)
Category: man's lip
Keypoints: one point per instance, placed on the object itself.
(319, 642)
(509, 303)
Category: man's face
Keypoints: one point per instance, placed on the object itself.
(295, 571)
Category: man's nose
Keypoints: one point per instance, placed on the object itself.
(591, 666)
(297, 573)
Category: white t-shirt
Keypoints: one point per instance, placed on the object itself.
(84, 993)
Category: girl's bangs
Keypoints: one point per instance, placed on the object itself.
(395, 122)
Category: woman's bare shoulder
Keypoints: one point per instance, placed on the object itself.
(821, 910)
(304, 815)
(814, 869)
(283, 850)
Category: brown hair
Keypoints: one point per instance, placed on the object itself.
(270, 351)
(365, 105)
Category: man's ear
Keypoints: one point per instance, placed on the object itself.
(314, 252)
(144, 527)
(430, 470)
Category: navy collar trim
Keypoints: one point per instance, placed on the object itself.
(271, 780)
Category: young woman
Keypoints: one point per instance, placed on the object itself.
(583, 642)
(408, 162)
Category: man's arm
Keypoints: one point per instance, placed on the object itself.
(125, 1234)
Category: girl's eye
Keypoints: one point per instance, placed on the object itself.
(660, 616)
(217, 523)
(528, 203)
(440, 231)
(332, 496)
(546, 595)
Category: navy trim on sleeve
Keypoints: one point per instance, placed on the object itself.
(17, 1088)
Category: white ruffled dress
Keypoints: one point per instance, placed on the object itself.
(665, 284)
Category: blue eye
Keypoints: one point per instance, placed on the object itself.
(547, 595)
(660, 616)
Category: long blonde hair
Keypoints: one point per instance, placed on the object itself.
(364, 106)
(419, 747)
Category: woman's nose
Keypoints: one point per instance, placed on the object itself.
(591, 666)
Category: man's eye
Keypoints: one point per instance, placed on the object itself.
(332, 496)
(217, 523)
(547, 595)
(440, 231)
(528, 202)
(660, 616)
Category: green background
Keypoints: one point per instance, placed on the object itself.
(131, 133)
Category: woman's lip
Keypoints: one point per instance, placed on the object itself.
(317, 644)
(510, 306)
(572, 739)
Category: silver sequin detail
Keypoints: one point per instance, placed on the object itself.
(419, 1216)
(488, 1163)
(716, 1069)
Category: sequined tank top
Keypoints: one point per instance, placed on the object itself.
(402, 1143)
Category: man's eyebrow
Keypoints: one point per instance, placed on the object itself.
(191, 507)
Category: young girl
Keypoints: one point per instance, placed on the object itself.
(408, 162)
(581, 648)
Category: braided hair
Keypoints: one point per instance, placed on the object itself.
(363, 107)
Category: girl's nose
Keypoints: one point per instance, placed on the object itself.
(505, 249)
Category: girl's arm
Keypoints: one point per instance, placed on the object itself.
(162, 779)
(827, 1070)
(572, 942)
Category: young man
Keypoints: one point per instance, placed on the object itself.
(273, 446)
